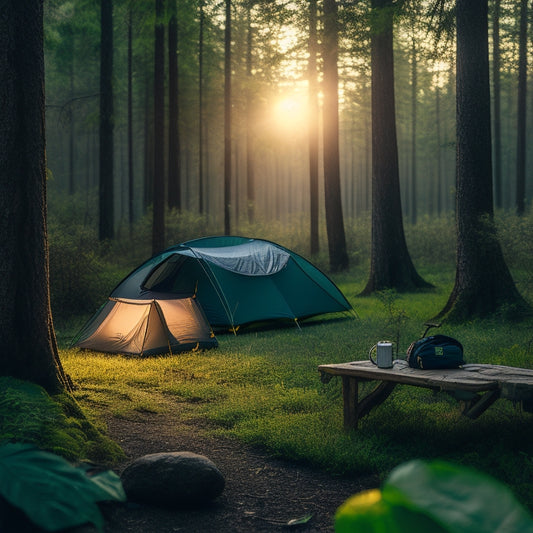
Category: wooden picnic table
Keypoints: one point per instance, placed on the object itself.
(478, 385)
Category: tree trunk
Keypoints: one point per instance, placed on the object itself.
(391, 266)
(522, 112)
(313, 128)
(106, 189)
(414, 89)
(130, 117)
(174, 178)
(250, 122)
(483, 284)
(439, 149)
(148, 147)
(227, 121)
(338, 256)
(27, 337)
(158, 204)
(201, 119)
(497, 104)
(71, 187)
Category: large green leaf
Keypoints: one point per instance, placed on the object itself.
(460, 498)
(53, 493)
(437, 496)
(370, 512)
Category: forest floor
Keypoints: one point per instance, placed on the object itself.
(262, 493)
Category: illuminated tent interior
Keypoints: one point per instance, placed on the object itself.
(147, 327)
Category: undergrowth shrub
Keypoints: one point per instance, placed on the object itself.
(432, 241)
(79, 278)
(84, 270)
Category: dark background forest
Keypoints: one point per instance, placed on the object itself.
(155, 109)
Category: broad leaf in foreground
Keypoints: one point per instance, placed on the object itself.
(52, 492)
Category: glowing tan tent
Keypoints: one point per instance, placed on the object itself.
(147, 327)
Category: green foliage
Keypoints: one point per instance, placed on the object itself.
(80, 275)
(432, 241)
(28, 414)
(43, 484)
(434, 496)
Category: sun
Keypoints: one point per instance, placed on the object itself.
(290, 112)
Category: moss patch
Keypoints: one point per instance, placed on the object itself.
(54, 423)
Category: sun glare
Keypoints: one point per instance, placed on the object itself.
(290, 112)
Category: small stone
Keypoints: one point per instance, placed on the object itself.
(172, 479)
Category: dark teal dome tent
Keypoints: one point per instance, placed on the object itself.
(237, 281)
(172, 301)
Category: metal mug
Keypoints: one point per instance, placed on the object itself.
(383, 353)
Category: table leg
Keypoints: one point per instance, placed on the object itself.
(480, 404)
(375, 398)
(349, 394)
(355, 409)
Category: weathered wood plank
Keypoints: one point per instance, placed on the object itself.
(515, 383)
(495, 381)
(448, 379)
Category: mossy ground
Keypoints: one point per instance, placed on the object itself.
(53, 423)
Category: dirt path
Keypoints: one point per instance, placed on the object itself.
(261, 494)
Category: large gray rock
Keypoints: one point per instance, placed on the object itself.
(172, 479)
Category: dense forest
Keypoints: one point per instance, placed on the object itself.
(273, 64)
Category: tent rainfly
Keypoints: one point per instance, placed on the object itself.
(147, 327)
(237, 281)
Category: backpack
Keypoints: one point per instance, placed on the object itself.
(437, 351)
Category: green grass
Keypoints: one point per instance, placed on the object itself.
(263, 387)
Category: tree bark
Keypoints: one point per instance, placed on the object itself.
(174, 178)
(250, 121)
(521, 112)
(414, 108)
(27, 337)
(483, 283)
(106, 188)
(227, 121)
(201, 119)
(313, 128)
(338, 256)
(130, 117)
(158, 203)
(497, 104)
(391, 266)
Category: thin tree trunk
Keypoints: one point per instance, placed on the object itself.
(250, 123)
(158, 204)
(439, 150)
(313, 128)
(201, 109)
(148, 148)
(338, 256)
(174, 178)
(497, 104)
(414, 89)
(106, 189)
(130, 117)
(521, 112)
(391, 266)
(71, 186)
(227, 121)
